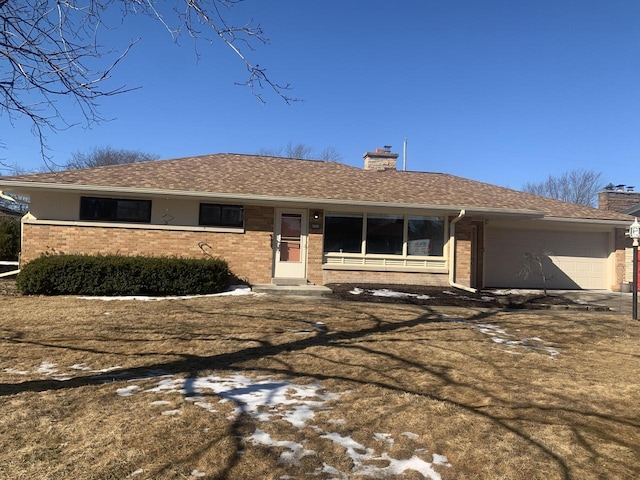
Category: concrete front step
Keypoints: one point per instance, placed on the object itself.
(305, 290)
(289, 281)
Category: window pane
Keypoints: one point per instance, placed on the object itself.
(343, 233)
(115, 209)
(425, 235)
(385, 234)
(232, 215)
(133, 211)
(218, 215)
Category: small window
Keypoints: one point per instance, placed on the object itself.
(115, 210)
(219, 215)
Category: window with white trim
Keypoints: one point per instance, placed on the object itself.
(384, 234)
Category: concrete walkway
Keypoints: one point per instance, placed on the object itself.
(616, 301)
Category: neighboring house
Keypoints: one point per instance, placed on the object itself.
(623, 199)
(8, 212)
(299, 221)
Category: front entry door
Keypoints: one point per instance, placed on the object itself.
(290, 248)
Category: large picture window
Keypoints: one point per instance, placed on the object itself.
(413, 235)
(115, 210)
(343, 233)
(425, 235)
(385, 234)
(221, 215)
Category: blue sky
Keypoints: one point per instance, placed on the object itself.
(500, 91)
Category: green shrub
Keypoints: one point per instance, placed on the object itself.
(9, 238)
(121, 275)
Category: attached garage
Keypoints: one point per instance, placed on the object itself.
(570, 259)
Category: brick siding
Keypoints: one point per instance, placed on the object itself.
(248, 254)
(391, 278)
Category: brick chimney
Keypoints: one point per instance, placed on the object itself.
(617, 199)
(380, 160)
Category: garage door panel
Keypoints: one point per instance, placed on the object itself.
(571, 259)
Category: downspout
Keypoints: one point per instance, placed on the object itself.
(452, 254)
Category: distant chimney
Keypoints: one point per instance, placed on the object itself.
(380, 160)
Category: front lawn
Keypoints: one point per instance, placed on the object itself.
(262, 387)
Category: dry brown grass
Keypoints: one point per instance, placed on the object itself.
(398, 368)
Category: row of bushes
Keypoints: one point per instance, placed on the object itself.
(122, 275)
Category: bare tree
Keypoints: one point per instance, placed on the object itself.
(302, 151)
(51, 49)
(103, 156)
(577, 186)
(534, 264)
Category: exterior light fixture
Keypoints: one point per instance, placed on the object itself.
(316, 216)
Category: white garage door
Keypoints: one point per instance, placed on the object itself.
(569, 259)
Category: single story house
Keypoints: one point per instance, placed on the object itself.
(282, 220)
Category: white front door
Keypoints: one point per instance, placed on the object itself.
(290, 247)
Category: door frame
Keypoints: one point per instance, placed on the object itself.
(285, 269)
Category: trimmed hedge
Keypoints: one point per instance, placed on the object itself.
(122, 275)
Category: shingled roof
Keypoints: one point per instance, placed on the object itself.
(314, 182)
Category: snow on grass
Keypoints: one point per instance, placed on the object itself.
(500, 336)
(385, 292)
(266, 399)
(233, 290)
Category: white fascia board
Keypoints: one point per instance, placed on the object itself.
(23, 188)
(589, 221)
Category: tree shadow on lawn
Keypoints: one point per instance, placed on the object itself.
(510, 420)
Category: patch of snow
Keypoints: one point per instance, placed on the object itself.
(266, 399)
(441, 460)
(15, 372)
(127, 391)
(362, 458)
(205, 405)
(500, 336)
(337, 421)
(383, 437)
(197, 474)
(171, 413)
(47, 368)
(294, 451)
(232, 291)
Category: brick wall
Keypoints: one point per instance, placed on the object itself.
(392, 278)
(463, 252)
(248, 254)
(314, 248)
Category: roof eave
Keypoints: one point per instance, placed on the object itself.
(618, 223)
(22, 187)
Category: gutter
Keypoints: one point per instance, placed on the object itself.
(452, 254)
